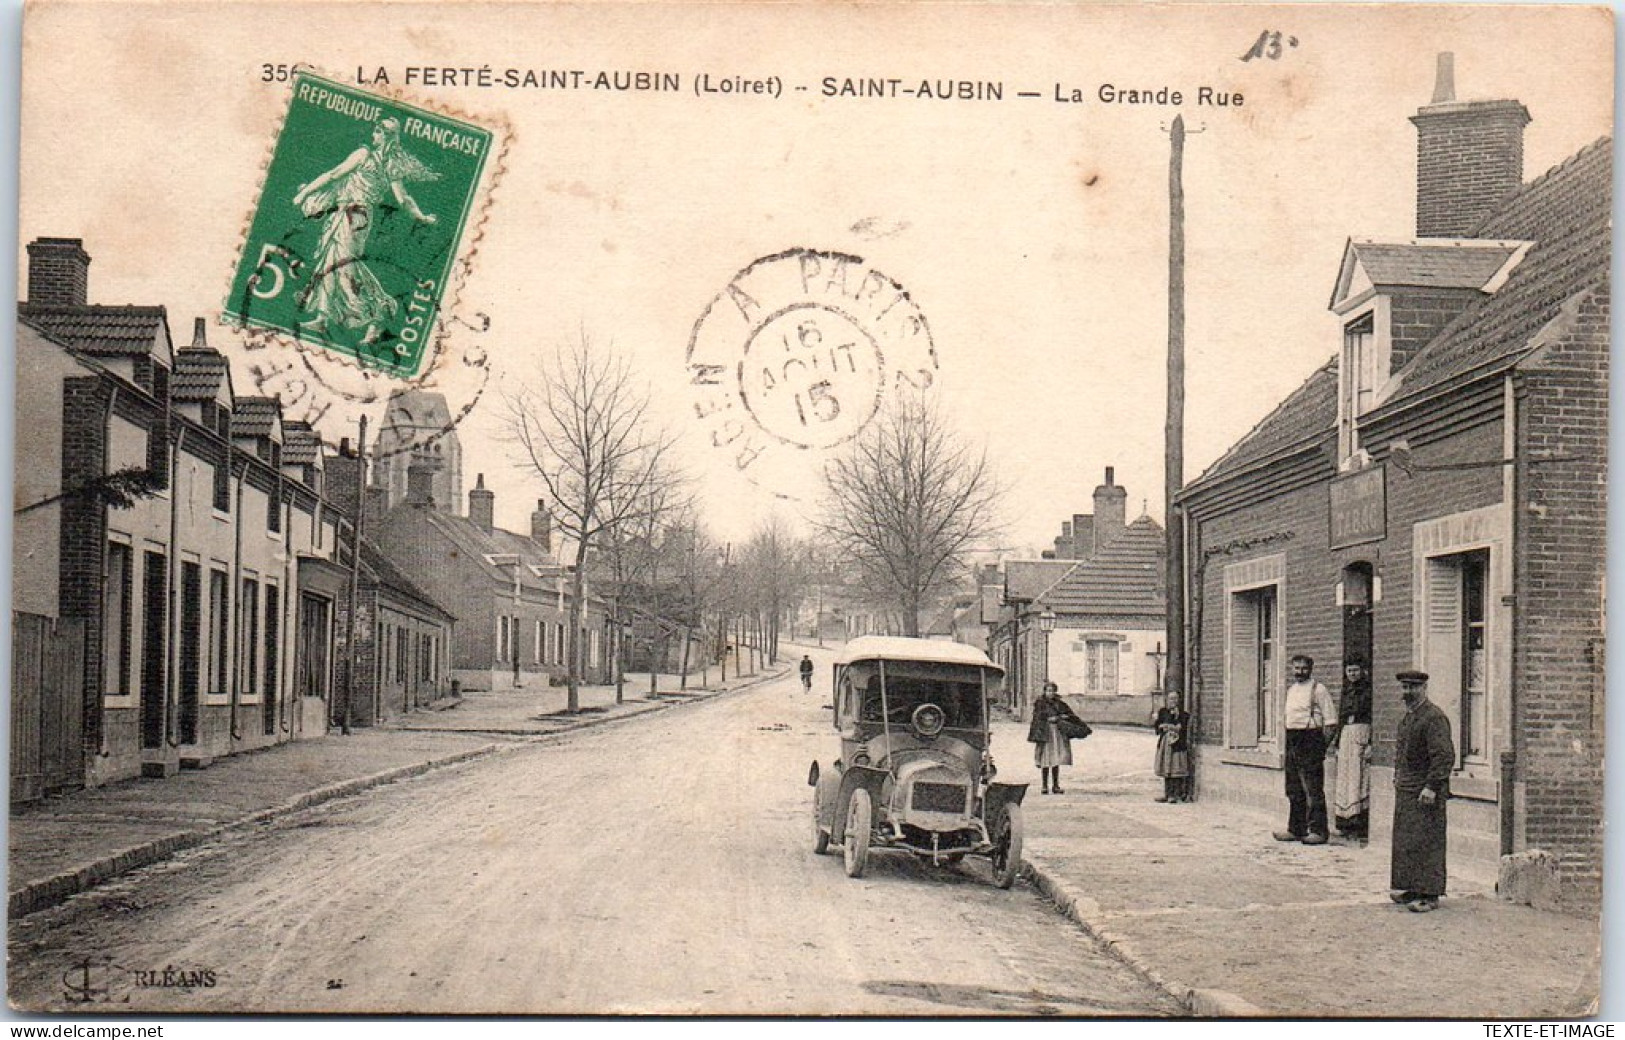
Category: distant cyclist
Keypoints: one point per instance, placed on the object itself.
(806, 673)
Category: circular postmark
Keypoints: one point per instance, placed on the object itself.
(798, 353)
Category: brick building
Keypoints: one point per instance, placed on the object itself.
(508, 590)
(1433, 497)
(198, 613)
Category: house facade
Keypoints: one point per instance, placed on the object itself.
(508, 591)
(1090, 616)
(181, 571)
(1433, 498)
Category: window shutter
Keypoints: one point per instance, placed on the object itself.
(1443, 639)
(1241, 686)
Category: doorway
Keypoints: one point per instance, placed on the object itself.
(1358, 587)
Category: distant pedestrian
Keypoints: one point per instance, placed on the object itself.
(1173, 750)
(806, 673)
(1054, 724)
(1307, 713)
(1424, 755)
(1351, 804)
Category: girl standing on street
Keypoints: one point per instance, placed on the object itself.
(1052, 719)
(1173, 751)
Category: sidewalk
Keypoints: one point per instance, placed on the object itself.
(1200, 898)
(64, 845)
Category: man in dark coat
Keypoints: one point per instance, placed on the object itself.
(1424, 755)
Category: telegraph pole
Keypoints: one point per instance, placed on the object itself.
(353, 650)
(1174, 468)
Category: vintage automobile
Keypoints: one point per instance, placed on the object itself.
(915, 771)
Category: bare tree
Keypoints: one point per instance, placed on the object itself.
(906, 501)
(584, 429)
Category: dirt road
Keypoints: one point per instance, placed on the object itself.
(660, 865)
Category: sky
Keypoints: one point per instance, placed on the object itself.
(1030, 233)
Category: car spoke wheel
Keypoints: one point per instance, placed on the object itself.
(1007, 847)
(859, 821)
(820, 835)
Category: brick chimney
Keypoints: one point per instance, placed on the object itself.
(1111, 509)
(482, 505)
(375, 500)
(1469, 157)
(58, 271)
(200, 335)
(541, 525)
(420, 483)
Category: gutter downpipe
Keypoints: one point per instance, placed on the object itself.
(1514, 393)
(172, 685)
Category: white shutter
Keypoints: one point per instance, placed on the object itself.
(1241, 691)
(1442, 638)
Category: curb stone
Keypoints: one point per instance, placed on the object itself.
(57, 889)
(1085, 912)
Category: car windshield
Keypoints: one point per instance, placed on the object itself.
(961, 702)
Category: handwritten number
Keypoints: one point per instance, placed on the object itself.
(1270, 45)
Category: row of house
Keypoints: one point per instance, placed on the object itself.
(189, 580)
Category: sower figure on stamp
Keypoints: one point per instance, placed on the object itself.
(1352, 800)
(1307, 714)
(1424, 755)
(343, 290)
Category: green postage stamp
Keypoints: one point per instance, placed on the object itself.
(358, 222)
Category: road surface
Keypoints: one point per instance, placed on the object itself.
(661, 864)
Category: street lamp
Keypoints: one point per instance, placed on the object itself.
(1046, 625)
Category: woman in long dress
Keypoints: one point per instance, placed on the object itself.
(343, 290)
(1051, 748)
(1173, 750)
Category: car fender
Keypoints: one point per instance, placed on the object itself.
(998, 796)
(853, 778)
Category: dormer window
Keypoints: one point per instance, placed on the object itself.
(1363, 369)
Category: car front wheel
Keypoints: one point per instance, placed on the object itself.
(1007, 848)
(859, 820)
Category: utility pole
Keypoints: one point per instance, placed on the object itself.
(1174, 469)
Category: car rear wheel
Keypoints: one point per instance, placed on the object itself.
(859, 820)
(1007, 847)
(820, 835)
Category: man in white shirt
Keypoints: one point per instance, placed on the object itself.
(1308, 716)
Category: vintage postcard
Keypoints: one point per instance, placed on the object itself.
(788, 509)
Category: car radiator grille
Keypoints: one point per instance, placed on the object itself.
(939, 798)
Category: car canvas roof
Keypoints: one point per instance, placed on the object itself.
(927, 651)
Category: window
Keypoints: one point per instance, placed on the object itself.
(219, 631)
(1458, 643)
(1254, 666)
(402, 650)
(248, 610)
(541, 637)
(1359, 378)
(1100, 666)
(273, 511)
(158, 454)
(561, 652)
(222, 488)
(315, 640)
(116, 592)
(503, 636)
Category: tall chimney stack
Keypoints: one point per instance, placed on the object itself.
(1469, 157)
(1111, 509)
(482, 505)
(58, 272)
(541, 525)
